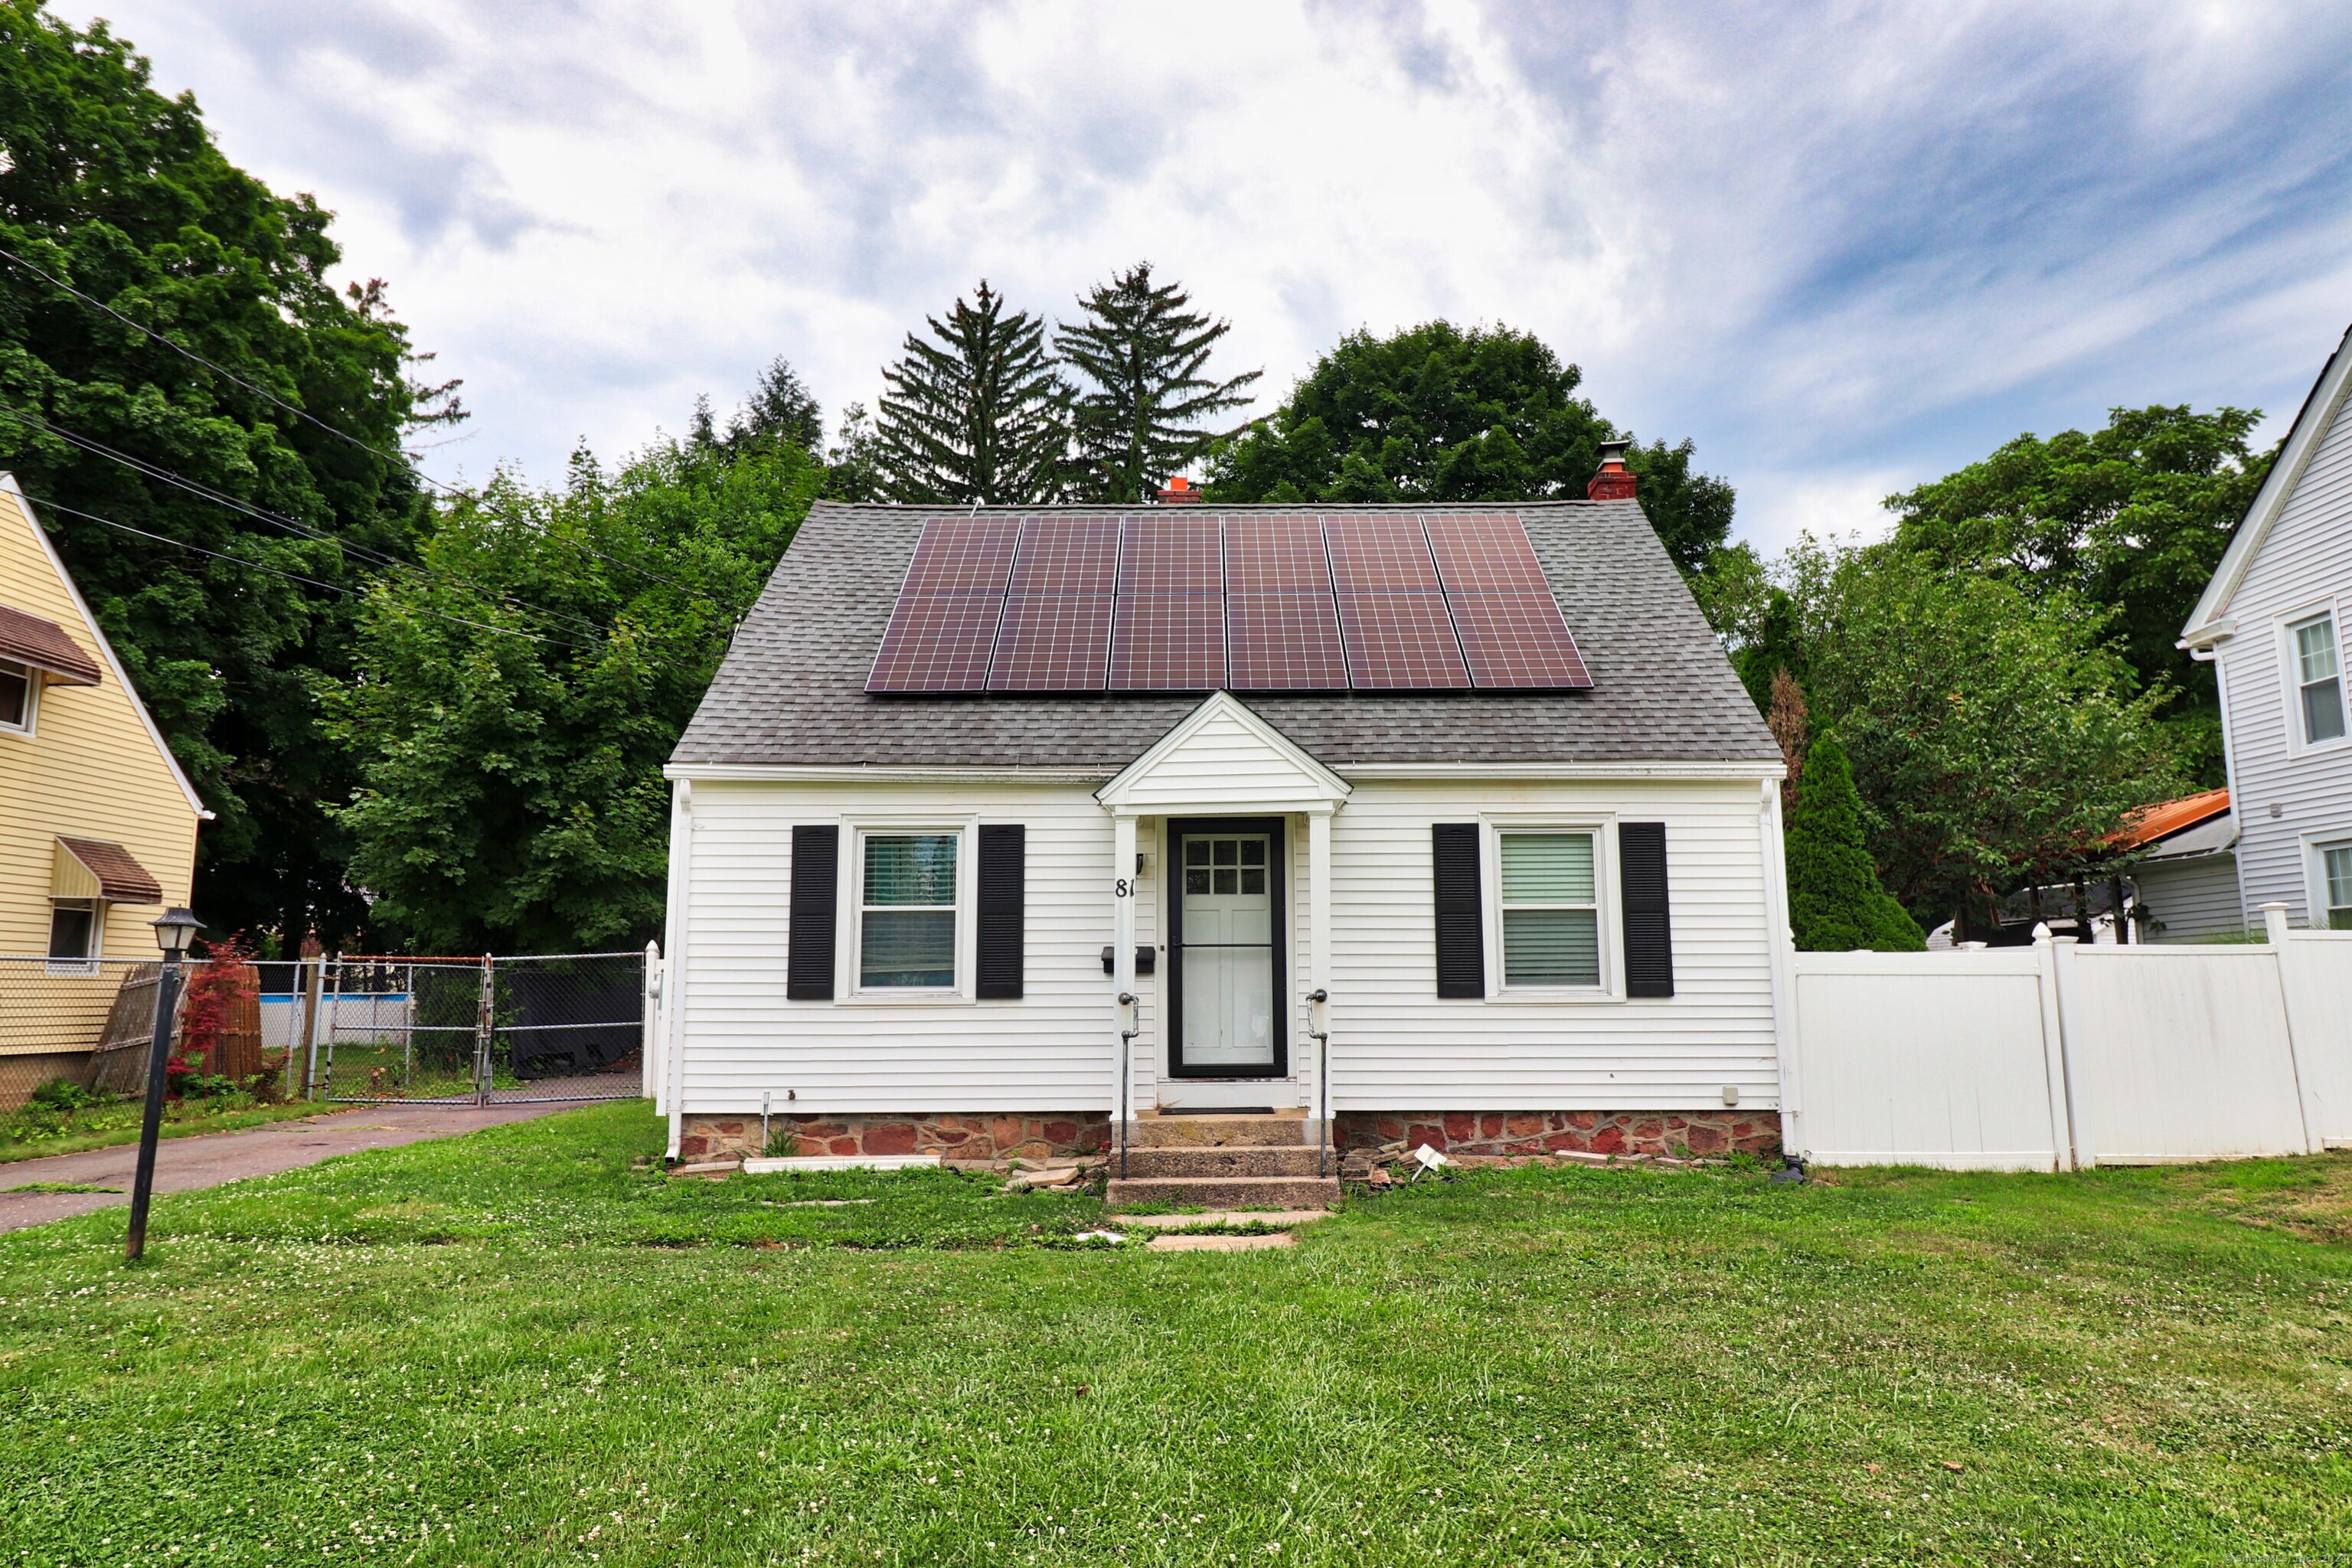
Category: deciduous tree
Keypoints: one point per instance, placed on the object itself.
(2133, 517)
(1440, 414)
(126, 223)
(512, 797)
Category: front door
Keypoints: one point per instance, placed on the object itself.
(1225, 953)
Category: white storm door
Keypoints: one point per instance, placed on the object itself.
(1227, 895)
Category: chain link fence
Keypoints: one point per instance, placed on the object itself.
(476, 1031)
(354, 1027)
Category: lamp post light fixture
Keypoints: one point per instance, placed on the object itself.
(173, 932)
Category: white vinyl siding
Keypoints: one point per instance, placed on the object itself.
(2190, 900)
(2303, 573)
(1394, 1045)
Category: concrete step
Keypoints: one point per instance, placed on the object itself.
(1156, 1130)
(1225, 1192)
(1224, 1160)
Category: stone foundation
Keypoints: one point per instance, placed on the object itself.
(1024, 1135)
(1522, 1133)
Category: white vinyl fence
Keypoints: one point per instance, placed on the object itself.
(2058, 1057)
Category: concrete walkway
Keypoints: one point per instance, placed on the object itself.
(206, 1160)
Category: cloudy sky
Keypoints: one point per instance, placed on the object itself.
(1845, 246)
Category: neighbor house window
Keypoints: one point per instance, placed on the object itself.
(907, 913)
(2320, 682)
(2335, 863)
(1551, 910)
(73, 935)
(15, 697)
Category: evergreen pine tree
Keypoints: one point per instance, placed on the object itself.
(1835, 901)
(976, 412)
(778, 409)
(1142, 351)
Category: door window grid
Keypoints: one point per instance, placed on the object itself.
(1214, 866)
(1551, 909)
(907, 911)
(2319, 679)
(2336, 861)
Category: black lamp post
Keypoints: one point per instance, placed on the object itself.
(173, 932)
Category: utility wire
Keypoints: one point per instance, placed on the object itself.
(296, 576)
(219, 497)
(393, 457)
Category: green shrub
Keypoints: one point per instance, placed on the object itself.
(1836, 902)
(64, 1094)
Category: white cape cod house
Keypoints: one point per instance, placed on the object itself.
(2272, 621)
(919, 904)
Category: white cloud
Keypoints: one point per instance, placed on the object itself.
(1846, 248)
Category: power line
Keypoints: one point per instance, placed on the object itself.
(398, 458)
(296, 576)
(147, 469)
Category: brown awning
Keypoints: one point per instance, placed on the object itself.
(121, 879)
(45, 645)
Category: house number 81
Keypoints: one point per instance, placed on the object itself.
(1122, 889)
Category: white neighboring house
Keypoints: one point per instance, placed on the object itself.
(1544, 919)
(2274, 622)
(2187, 879)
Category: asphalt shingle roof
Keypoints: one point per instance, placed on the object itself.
(793, 688)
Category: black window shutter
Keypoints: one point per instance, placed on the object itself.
(816, 879)
(1461, 913)
(1649, 936)
(1003, 851)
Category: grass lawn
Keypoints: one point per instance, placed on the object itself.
(34, 1133)
(516, 1348)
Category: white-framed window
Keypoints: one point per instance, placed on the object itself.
(20, 695)
(75, 928)
(2335, 885)
(2316, 665)
(911, 912)
(1551, 900)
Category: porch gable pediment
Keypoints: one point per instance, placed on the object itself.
(1224, 758)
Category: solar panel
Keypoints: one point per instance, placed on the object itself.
(1384, 601)
(944, 624)
(1391, 605)
(1167, 631)
(1504, 612)
(1056, 634)
(1282, 630)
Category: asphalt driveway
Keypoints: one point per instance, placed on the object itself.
(186, 1164)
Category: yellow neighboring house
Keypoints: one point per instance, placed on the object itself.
(98, 824)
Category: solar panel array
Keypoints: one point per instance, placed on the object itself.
(1265, 602)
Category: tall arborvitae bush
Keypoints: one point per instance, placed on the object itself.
(1835, 901)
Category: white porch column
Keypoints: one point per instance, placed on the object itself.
(1318, 945)
(1122, 961)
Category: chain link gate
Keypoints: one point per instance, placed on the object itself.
(478, 1031)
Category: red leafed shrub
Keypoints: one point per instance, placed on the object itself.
(212, 990)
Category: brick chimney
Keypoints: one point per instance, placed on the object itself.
(1615, 480)
(1179, 492)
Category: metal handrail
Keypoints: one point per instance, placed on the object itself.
(1322, 1086)
(1126, 1093)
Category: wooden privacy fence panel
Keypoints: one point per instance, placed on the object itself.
(2058, 1057)
(2183, 1055)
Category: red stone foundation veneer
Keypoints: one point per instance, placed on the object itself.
(980, 1135)
(1527, 1134)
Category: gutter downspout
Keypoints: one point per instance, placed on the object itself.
(1781, 945)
